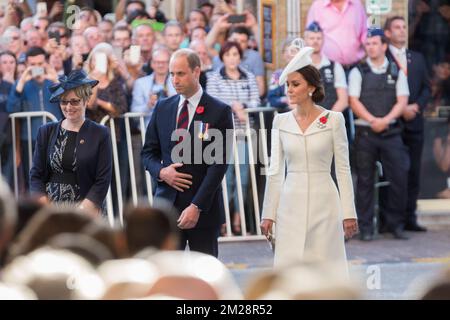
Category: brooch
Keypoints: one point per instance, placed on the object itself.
(200, 109)
(322, 122)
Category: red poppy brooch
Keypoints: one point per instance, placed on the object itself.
(322, 122)
(200, 109)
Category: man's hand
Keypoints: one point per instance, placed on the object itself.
(177, 180)
(350, 227)
(411, 111)
(379, 125)
(152, 101)
(189, 217)
(24, 78)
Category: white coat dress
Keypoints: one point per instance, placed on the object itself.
(300, 194)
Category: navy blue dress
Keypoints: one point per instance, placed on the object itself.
(63, 187)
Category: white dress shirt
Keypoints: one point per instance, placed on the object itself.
(400, 55)
(192, 104)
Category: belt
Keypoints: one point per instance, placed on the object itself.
(392, 129)
(64, 177)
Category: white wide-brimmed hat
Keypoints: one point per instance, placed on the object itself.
(302, 58)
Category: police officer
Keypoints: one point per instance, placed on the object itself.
(379, 92)
(333, 75)
(414, 66)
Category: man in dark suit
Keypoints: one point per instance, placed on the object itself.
(414, 66)
(178, 138)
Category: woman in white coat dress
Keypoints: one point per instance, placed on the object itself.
(311, 216)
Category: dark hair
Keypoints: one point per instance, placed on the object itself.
(206, 4)
(227, 47)
(312, 76)
(205, 18)
(388, 23)
(45, 224)
(240, 30)
(148, 227)
(137, 13)
(135, 1)
(8, 53)
(35, 51)
(121, 28)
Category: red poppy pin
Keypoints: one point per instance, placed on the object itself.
(323, 121)
(200, 109)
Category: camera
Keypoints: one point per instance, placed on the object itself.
(237, 18)
(55, 35)
(37, 71)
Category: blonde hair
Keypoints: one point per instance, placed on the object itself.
(108, 50)
(83, 92)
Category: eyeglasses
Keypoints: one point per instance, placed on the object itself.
(73, 102)
(161, 62)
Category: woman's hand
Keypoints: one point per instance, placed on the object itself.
(350, 228)
(266, 227)
(89, 207)
(43, 200)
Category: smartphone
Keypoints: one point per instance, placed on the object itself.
(101, 62)
(41, 9)
(237, 18)
(118, 52)
(55, 35)
(37, 71)
(135, 54)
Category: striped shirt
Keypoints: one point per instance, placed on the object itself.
(243, 90)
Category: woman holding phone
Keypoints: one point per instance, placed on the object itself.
(110, 96)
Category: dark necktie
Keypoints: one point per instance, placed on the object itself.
(183, 118)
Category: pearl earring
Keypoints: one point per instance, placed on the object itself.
(310, 94)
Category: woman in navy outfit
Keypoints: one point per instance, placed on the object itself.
(72, 159)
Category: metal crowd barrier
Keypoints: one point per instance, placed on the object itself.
(28, 115)
(110, 122)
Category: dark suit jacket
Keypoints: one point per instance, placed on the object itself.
(94, 160)
(419, 86)
(205, 191)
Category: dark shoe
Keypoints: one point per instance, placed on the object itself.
(399, 234)
(366, 236)
(382, 229)
(415, 227)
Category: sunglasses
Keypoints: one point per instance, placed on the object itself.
(73, 102)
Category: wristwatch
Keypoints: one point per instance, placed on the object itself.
(199, 210)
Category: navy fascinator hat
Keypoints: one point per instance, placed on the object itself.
(75, 79)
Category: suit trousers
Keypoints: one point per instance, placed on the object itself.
(201, 239)
(392, 153)
(414, 143)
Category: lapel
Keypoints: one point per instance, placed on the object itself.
(292, 126)
(198, 117)
(408, 58)
(173, 119)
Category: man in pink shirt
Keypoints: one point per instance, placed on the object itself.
(344, 24)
